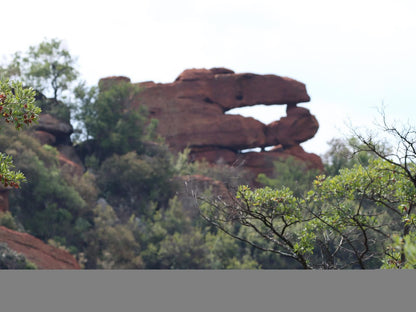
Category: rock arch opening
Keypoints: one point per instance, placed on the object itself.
(263, 113)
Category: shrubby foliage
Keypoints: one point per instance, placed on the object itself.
(231, 176)
(111, 125)
(47, 67)
(16, 107)
(360, 217)
(122, 213)
(132, 181)
(7, 220)
(47, 205)
(126, 210)
(11, 260)
(291, 173)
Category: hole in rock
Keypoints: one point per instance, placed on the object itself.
(256, 149)
(263, 113)
(268, 148)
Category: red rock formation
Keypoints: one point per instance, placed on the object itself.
(61, 130)
(214, 155)
(297, 127)
(191, 112)
(263, 162)
(55, 132)
(42, 255)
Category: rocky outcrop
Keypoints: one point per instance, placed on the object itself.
(55, 132)
(191, 113)
(54, 127)
(42, 255)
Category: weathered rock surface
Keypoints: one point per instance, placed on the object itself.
(229, 90)
(43, 255)
(297, 127)
(55, 132)
(263, 162)
(61, 130)
(191, 113)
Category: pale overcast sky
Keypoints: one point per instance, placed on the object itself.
(352, 55)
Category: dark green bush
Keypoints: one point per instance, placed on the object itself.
(11, 260)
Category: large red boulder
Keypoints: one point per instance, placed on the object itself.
(298, 126)
(52, 125)
(229, 90)
(191, 110)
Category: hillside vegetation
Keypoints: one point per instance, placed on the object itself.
(137, 205)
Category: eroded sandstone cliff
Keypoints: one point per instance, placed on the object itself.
(191, 113)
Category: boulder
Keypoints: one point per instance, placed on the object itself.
(262, 162)
(59, 129)
(56, 133)
(298, 126)
(191, 109)
(105, 83)
(230, 90)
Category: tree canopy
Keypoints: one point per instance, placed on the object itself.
(361, 217)
(47, 67)
(16, 107)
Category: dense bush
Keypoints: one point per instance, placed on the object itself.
(47, 205)
(11, 260)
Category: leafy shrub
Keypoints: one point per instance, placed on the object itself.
(291, 173)
(7, 220)
(12, 260)
(47, 205)
(131, 181)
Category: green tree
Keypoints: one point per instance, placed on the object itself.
(291, 173)
(132, 182)
(355, 219)
(16, 107)
(110, 124)
(47, 67)
(49, 205)
(112, 244)
(345, 153)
